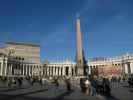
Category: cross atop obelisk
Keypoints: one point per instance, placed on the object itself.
(79, 55)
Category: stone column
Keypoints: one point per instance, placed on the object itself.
(126, 68)
(60, 71)
(53, 70)
(23, 69)
(131, 67)
(45, 70)
(5, 67)
(2, 68)
(89, 70)
(26, 68)
(11, 69)
(57, 70)
(1, 65)
(69, 72)
(64, 70)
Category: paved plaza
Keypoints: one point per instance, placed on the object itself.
(50, 92)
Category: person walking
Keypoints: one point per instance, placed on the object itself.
(94, 87)
(106, 84)
(56, 82)
(19, 82)
(68, 84)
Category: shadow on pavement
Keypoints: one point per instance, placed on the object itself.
(11, 89)
(63, 95)
(110, 97)
(23, 95)
(131, 90)
(126, 86)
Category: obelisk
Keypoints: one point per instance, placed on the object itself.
(79, 55)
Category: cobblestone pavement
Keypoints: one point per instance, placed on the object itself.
(50, 92)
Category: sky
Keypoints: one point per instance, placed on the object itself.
(106, 25)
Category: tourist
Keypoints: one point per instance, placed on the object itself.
(56, 82)
(40, 81)
(94, 86)
(106, 86)
(19, 82)
(119, 79)
(32, 81)
(68, 84)
(123, 79)
(88, 87)
(100, 87)
(82, 85)
(9, 82)
(129, 81)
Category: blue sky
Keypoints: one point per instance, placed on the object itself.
(107, 26)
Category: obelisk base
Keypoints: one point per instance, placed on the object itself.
(80, 71)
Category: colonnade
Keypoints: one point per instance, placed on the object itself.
(128, 67)
(23, 69)
(3, 65)
(59, 70)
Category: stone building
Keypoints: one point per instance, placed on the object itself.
(30, 52)
(22, 60)
(117, 66)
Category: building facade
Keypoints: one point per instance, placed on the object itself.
(117, 66)
(30, 52)
(24, 61)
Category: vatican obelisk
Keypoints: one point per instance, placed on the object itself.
(79, 55)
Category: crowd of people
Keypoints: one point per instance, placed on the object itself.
(89, 85)
(12, 81)
(95, 86)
